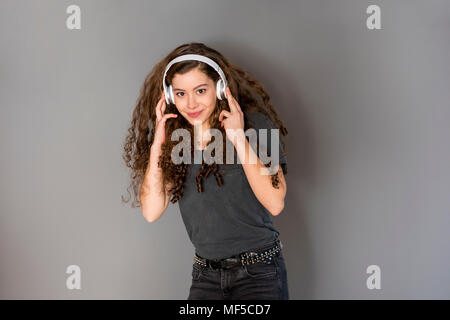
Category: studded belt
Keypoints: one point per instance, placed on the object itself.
(264, 256)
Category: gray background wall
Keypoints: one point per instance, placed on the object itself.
(367, 113)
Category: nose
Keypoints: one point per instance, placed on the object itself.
(191, 102)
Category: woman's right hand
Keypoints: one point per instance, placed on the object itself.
(161, 118)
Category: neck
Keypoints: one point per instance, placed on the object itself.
(204, 134)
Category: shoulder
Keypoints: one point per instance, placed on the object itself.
(259, 120)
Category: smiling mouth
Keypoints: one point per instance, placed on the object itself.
(195, 114)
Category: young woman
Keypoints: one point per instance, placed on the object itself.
(228, 219)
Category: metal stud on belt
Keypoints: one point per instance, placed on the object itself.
(199, 261)
(250, 257)
(253, 257)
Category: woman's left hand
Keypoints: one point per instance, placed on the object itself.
(234, 119)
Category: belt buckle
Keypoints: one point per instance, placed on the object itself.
(215, 265)
(229, 263)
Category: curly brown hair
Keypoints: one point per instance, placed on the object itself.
(249, 93)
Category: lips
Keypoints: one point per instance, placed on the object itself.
(195, 115)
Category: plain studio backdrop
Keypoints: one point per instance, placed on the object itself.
(368, 153)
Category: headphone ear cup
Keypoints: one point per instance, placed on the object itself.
(167, 95)
(220, 90)
(171, 98)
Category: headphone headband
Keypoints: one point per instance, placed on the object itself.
(220, 86)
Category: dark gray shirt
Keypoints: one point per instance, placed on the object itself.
(223, 221)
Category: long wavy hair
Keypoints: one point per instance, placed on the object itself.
(249, 93)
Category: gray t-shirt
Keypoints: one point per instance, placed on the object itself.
(223, 221)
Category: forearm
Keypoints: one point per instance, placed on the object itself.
(152, 193)
(269, 196)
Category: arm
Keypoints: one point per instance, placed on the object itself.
(270, 197)
(154, 197)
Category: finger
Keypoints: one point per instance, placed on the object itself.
(235, 103)
(163, 97)
(163, 107)
(221, 115)
(167, 116)
(231, 101)
(170, 115)
(158, 109)
(158, 113)
(224, 113)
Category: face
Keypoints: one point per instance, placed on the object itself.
(195, 96)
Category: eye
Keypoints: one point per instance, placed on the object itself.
(178, 93)
(201, 89)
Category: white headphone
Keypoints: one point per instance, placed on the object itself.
(221, 83)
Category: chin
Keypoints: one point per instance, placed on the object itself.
(196, 120)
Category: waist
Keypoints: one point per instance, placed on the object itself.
(262, 254)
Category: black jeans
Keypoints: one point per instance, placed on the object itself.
(259, 281)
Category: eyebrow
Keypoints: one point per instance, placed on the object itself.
(203, 84)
